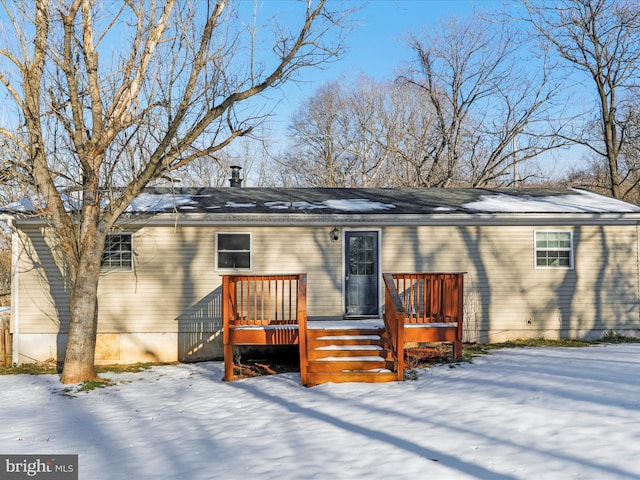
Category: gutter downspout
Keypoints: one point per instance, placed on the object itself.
(15, 288)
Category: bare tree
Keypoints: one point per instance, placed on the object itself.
(108, 97)
(483, 99)
(5, 267)
(600, 38)
(358, 133)
(317, 156)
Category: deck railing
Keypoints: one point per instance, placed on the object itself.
(272, 310)
(394, 322)
(430, 297)
(422, 299)
(269, 301)
(5, 341)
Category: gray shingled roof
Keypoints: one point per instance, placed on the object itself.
(393, 201)
(324, 201)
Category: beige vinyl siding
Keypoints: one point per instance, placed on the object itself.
(507, 297)
(42, 289)
(303, 250)
(174, 286)
(174, 281)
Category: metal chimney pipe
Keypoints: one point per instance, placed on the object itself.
(235, 180)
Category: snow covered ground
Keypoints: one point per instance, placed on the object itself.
(528, 413)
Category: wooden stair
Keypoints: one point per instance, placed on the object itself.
(348, 354)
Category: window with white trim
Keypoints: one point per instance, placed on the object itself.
(233, 251)
(118, 252)
(554, 249)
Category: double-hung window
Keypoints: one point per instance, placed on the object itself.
(118, 252)
(554, 249)
(233, 251)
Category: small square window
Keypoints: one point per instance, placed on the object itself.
(554, 249)
(118, 252)
(233, 251)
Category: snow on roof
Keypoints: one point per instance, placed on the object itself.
(159, 202)
(342, 205)
(579, 201)
(33, 204)
(23, 206)
(422, 201)
(395, 201)
(358, 205)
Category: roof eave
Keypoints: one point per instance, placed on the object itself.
(310, 219)
(355, 219)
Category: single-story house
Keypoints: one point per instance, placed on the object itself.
(543, 262)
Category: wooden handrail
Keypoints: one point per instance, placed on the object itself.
(429, 299)
(302, 326)
(394, 319)
(259, 300)
(263, 301)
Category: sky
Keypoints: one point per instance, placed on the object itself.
(523, 413)
(375, 45)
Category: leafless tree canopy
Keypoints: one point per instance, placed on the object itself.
(601, 40)
(357, 133)
(103, 98)
(489, 111)
(465, 113)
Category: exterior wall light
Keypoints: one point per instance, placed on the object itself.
(334, 234)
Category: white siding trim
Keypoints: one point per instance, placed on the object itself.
(15, 293)
(215, 253)
(638, 264)
(344, 267)
(571, 250)
(109, 270)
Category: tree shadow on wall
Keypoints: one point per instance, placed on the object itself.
(200, 329)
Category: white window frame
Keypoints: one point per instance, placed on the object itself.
(217, 252)
(111, 268)
(537, 249)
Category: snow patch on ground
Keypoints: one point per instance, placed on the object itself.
(551, 413)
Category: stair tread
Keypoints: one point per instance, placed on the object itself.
(349, 337)
(350, 347)
(344, 377)
(371, 358)
(370, 370)
(348, 355)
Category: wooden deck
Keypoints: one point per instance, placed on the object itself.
(263, 310)
(423, 308)
(271, 310)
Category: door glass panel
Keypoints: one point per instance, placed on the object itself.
(361, 256)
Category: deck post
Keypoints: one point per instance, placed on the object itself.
(400, 344)
(394, 318)
(227, 313)
(457, 345)
(302, 326)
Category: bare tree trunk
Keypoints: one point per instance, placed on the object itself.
(611, 147)
(103, 130)
(79, 357)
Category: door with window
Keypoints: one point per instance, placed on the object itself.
(361, 273)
